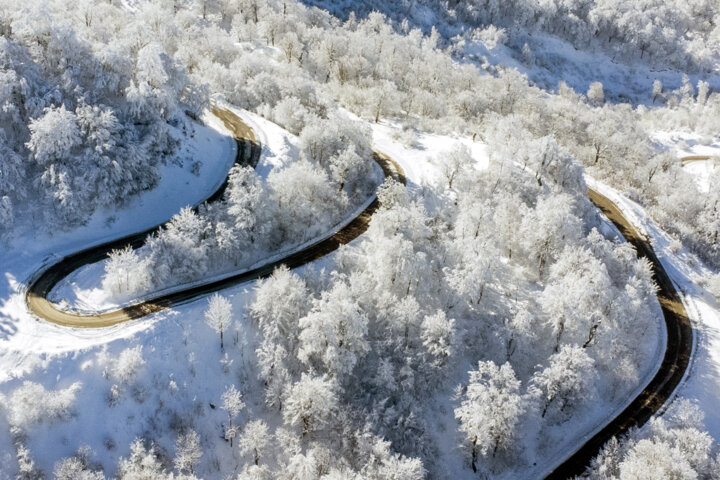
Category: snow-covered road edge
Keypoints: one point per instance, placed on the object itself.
(566, 449)
(660, 242)
(221, 276)
(685, 286)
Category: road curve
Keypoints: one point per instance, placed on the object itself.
(694, 158)
(650, 400)
(248, 153)
(677, 353)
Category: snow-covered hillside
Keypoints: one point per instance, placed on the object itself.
(470, 315)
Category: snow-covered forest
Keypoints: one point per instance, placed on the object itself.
(484, 325)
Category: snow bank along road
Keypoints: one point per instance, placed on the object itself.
(650, 400)
(674, 363)
(248, 153)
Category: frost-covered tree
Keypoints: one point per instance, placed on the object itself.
(438, 335)
(157, 83)
(454, 162)
(577, 297)
(142, 464)
(280, 301)
(77, 467)
(53, 136)
(672, 447)
(232, 403)
(566, 381)
(179, 251)
(127, 365)
(218, 315)
(657, 89)
(254, 440)
(305, 200)
(248, 215)
(596, 94)
(26, 465)
(31, 403)
(254, 472)
(334, 334)
(188, 452)
(491, 409)
(126, 273)
(310, 403)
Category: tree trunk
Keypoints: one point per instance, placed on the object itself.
(547, 404)
(474, 454)
(557, 338)
(591, 335)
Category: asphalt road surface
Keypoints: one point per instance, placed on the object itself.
(248, 153)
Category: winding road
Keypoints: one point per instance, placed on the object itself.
(650, 400)
(694, 158)
(248, 153)
(675, 361)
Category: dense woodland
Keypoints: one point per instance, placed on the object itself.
(494, 293)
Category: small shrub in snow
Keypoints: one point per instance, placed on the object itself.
(675, 245)
(26, 465)
(31, 404)
(127, 365)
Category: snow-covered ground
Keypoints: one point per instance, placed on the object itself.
(684, 144)
(55, 357)
(421, 154)
(279, 146)
(421, 162)
(702, 171)
(702, 380)
(551, 58)
(24, 341)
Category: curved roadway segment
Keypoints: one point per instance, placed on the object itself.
(248, 153)
(677, 353)
(650, 400)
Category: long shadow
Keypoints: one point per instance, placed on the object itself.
(675, 361)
